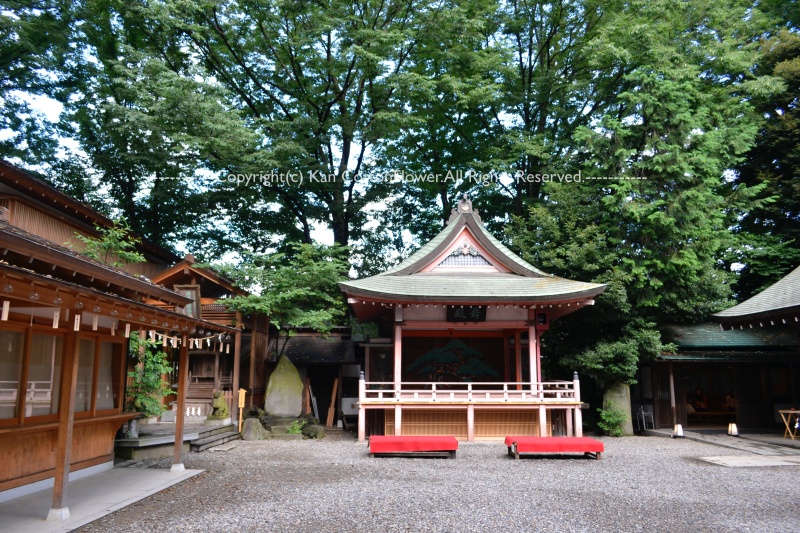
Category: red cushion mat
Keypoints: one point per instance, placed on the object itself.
(412, 443)
(556, 444)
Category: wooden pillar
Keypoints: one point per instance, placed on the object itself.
(533, 359)
(506, 358)
(518, 359)
(542, 421)
(398, 368)
(366, 360)
(398, 356)
(672, 396)
(568, 417)
(362, 412)
(237, 359)
(471, 423)
(66, 418)
(251, 374)
(183, 374)
(539, 356)
(216, 367)
(398, 420)
(576, 385)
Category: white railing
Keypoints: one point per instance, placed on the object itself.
(8, 392)
(470, 393)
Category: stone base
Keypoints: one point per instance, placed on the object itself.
(148, 452)
(216, 423)
(147, 421)
(58, 515)
(177, 468)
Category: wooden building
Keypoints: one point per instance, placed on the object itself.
(65, 321)
(750, 355)
(462, 320)
(757, 367)
(329, 366)
(218, 363)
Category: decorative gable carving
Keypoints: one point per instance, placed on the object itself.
(465, 256)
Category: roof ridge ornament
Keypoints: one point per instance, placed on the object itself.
(464, 208)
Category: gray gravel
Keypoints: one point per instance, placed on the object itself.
(641, 484)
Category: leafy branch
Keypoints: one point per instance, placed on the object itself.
(116, 245)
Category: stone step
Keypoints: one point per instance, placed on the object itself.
(208, 431)
(284, 436)
(214, 440)
(283, 421)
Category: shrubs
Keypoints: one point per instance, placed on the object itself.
(308, 426)
(611, 420)
(262, 415)
(296, 427)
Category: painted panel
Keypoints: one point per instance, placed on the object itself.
(434, 359)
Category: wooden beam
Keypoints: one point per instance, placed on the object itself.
(332, 406)
(183, 376)
(306, 404)
(454, 332)
(465, 326)
(66, 418)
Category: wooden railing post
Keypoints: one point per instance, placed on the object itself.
(576, 384)
(362, 412)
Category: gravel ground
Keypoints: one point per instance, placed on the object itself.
(641, 484)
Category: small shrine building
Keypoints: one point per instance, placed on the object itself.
(463, 319)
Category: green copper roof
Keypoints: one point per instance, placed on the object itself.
(711, 336)
(781, 298)
(525, 283)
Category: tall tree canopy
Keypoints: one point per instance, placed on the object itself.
(770, 232)
(244, 125)
(656, 227)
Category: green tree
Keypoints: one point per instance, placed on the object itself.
(148, 132)
(296, 289)
(115, 246)
(658, 231)
(314, 82)
(770, 232)
(33, 37)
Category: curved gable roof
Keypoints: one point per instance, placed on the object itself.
(523, 282)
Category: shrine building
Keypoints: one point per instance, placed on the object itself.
(461, 323)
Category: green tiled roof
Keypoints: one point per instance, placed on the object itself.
(778, 299)
(710, 336)
(451, 287)
(525, 283)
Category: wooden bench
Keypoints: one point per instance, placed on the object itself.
(585, 445)
(413, 446)
(720, 417)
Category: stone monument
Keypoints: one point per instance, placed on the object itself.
(284, 390)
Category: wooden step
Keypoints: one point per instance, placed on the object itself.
(214, 440)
